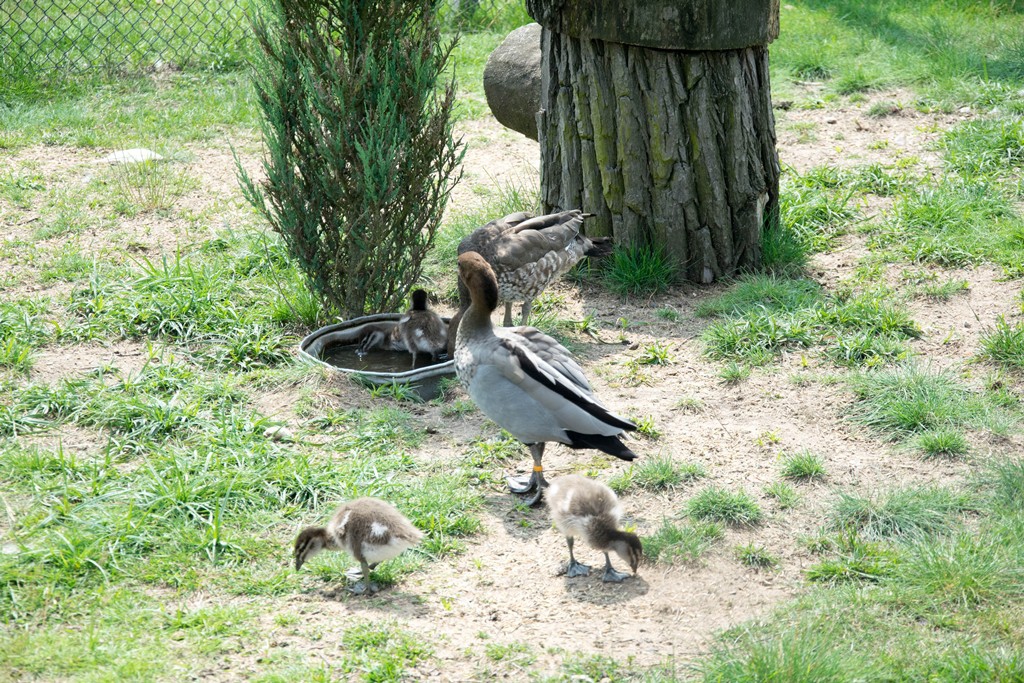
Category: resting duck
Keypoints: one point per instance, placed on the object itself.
(422, 330)
(587, 509)
(527, 382)
(369, 529)
(528, 252)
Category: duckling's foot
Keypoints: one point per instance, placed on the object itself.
(364, 588)
(576, 569)
(612, 576)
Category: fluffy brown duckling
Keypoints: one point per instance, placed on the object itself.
(527, 382)
(422, 330)
(527, 253)
(587, 509)
(368, 529)
(385, 336)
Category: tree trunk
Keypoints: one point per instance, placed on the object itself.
(668, 148)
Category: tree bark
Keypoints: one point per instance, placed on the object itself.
(668, 148)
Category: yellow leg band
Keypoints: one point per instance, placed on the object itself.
(538, 468)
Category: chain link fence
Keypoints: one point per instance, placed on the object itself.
(77, 35)
(131, 36)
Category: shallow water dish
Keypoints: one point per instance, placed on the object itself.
(335, 346)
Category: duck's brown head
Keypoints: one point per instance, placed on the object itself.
(309, 542)
(479, 279)
(629, 548)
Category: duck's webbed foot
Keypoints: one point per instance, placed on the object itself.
(523, 483)
(364, 588)
(535, 482)
(361, 575)
(610, 575)
(575, 569)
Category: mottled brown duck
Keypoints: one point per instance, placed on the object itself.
(527, 253)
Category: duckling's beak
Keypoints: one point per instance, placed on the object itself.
(298, 562)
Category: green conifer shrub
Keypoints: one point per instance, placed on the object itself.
(360, 156)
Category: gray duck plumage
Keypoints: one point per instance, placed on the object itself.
(369, 529)
(587, 509)
(527, 382)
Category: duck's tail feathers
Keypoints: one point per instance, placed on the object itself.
(599, 246)
(611, 445)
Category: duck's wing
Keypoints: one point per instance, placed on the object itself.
(539, 239)
(548, 349)
(554, 390)
(484, 239)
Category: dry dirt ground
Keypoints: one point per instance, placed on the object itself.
(505, 587)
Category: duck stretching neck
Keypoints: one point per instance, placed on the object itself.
(483, 289)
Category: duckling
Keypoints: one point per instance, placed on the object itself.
(527, 382)
(422, 330)
(369, 529)
(385, 336)
(584, 508)
(528, 252)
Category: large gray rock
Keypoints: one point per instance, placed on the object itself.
(512, 80)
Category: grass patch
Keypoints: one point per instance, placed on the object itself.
(962, 572)
(783, 493)
(928, 285)
(638, 271)
(853, 559)
(943, 443)
(756, 557)
(517, 654)
(1004, 344)
(954, 53)
(816, 208)
(911, 399)
(655, 474)
(985, 147)
(802, 653)
(902, 513)
(803, 465)
(771, 292)
(679, 543)
(716, 504)
(1002, 481)
(734, 373)
(937, 225)
(381, 652)
(764, 315)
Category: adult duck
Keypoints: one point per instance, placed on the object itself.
(527, 382)
(528, 252)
